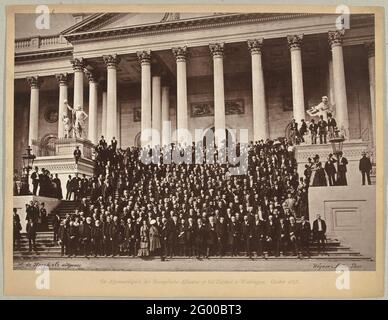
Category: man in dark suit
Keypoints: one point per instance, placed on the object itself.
(222, 234)
(190, 232)
(113, 143)
(304, 236)
(106, 236)
(211, 237)
(259, 236)
(97, 238)
(330, 169)
(322, 130)
(17, 227)
(31, 234)
(129, 237)
(319, 232)
(87, 236)
(247, 235)
(114, 232)
(341, 175)
(200, 239)
(293, 235)
(234, 235)
(365, 167)
(172, 236)
(63, 237)
(77, 154)
(72, 238)
(35, 181)
(271, 238)
(56, 222)
(69, 188)
(282, 237)
(331, 124)
(313, 131)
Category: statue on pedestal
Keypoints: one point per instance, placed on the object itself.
(79, 116)
(322, 109)
(66, 125)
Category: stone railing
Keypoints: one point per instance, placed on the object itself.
(34, 43)
(63, 146)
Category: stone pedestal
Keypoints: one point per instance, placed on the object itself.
(63, 163)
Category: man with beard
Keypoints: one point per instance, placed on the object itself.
(247, 235)
(129, 236)
(222, 234)
(211, 237)
(234, 233)
(87, 236)
(97, 238)
(200, 239)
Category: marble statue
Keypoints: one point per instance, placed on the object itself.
(79, 116)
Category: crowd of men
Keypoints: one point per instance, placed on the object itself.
(201, 210)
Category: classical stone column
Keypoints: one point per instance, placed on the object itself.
(180, 54)
(294, 44)
(217, 51)
(371, 68)
(335, 41)
(260, 112)
(34, 83)
(93, 87)
(330, 83)
(156, 110)
(111, 62)
(62, 110)
(146, 124)
(78, 67)
(103, 113)
(166, 125)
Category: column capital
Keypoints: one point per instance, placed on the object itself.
(255, 45)
(294, 41)
(111, 60)
(78, 64)
(144, 56)
(91, 76)
(180, 53)
(336, 37)
(217, 49)
(370, 47)
(34, 82)
(62, 78)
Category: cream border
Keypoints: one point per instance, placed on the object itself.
(90, 283)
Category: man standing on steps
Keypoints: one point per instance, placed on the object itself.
(69, 188)
(31, 235)
(319, 233)
(35, 181)
(77, 154)
(365, 167)
(56, 226)
(304, 236)
(63, 240)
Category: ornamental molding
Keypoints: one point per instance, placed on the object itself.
(78, 64)
(217, 49)
(255, 45)
(294, 41)
(43, 55)
(144, 56)
(34, 82)
(111, 60)
(180, 25)
(62, 78)
(180, 53)
(336, 37)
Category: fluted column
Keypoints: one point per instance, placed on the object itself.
(103, 113)
(330, 82)
(166, 125)
(335, 41)
(372, 87)
(34, 83)
(180, 54)
(78, 67)
(146, 124)
(62, 110)
(260, 112)
(294, 44)
(217, 51)
(92, 128)
(156, 110)
(111, 62)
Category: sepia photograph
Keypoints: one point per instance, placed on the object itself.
(193, 141)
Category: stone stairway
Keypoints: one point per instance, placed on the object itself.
(46, 248)
(62, 209)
